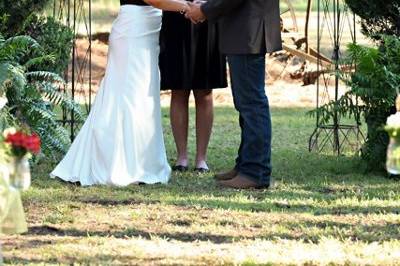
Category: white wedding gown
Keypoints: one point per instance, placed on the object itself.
(121, 142)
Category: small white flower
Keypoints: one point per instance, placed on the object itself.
(394, 120)
(10, 130)
(3, 102)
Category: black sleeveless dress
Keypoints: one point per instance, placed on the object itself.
(190, 57)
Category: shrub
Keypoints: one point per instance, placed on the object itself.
(54, 38)
(16, 13)
(377, 17)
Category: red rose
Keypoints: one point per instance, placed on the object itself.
(9, 138)
(30, 143)
(18, 139)
(34, 141)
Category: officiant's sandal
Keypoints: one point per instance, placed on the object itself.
(180, 168)
(226, 175)
(201, 170)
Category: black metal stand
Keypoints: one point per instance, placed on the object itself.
(77, 14)
(334, 21)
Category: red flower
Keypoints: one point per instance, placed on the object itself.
(33, 143)
(29, 143)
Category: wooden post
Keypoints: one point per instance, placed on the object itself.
(306, 30)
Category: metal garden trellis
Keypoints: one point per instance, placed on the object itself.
(334, 22)
(334, 19)
(77, 14)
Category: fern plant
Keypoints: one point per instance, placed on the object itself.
(33, 95)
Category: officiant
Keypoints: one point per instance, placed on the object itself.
(190, 60)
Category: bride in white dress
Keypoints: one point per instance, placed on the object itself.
(121, 142)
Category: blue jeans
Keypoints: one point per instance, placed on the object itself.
(248, 89)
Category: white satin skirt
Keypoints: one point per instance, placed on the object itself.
(121, 142)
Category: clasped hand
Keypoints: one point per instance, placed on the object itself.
(194, 12)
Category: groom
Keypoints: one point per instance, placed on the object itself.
(248, 30)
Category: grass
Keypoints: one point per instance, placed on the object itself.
(324, 211)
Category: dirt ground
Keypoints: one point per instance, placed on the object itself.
(283, 91)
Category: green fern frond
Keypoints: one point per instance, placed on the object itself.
(55, 138)
(54, 95)
(22, 41)
(45, 76)
(12, 77)
(39, 60)
(13, 49)
(40, 113)
(6, 119)
(4, 76)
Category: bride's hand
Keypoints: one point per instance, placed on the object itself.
(186, 8)
(170, 5)
(200, 2)
(195, 13)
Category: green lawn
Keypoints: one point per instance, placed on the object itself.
(325, 210)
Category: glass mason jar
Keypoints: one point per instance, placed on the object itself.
(393, 156)
(4, 195)
(20, 176)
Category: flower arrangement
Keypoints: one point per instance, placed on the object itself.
(22, 143)
(15, 148)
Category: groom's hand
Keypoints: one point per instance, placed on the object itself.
(195, 14)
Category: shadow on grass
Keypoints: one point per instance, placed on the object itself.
(131, 232)
(309, 231)
(100, 259)
(288, 207)
(318, 200)
(114, 202)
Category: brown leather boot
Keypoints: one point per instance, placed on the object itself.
(226, 175)
(241, 182)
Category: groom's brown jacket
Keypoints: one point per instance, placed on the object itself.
(246, 26)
